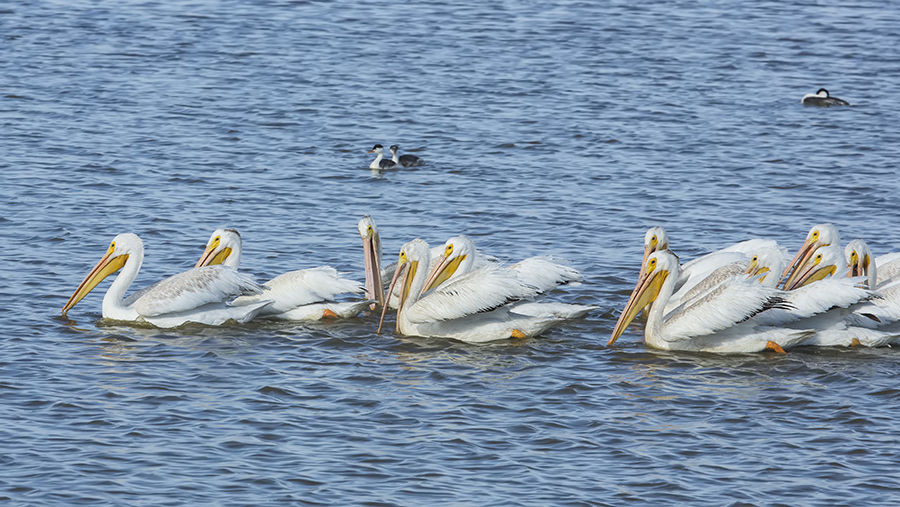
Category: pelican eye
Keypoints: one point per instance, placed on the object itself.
(370, 230)
(651, 265)
(402, 256)
(815, 235)
(448, 250)
(755, 258)
(112, 246)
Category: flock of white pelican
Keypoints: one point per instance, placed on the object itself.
(734, 300)
(747, 297)
(453, 291)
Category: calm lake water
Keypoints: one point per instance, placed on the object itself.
(561, 128)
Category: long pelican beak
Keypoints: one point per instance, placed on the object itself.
(107, 266)
(443, 270)
(649, 249)
(374, 287)
(408, 271)
(806, 251)
(645, 292)
(211, 257)
(813, 273)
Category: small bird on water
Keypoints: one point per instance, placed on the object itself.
(822, 99)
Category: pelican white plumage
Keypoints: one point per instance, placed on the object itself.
(477, 307)
(198, 295)
(714, 322)
(306, 294)
(459, 257)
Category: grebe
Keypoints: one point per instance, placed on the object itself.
(380, 162)
(822, 99)
(405, 160)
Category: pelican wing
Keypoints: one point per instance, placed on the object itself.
(303, 287)
(888, 266)
(697, 270)
(478, 291)
(729, 303)
(193, 288)
(883, 310)
(816, 298)
(544, 273)
(751, 246)
(698, 288)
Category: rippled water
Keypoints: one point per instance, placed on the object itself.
(564, 128)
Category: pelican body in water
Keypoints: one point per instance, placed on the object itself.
(404, 160)
(306, 294)
(718, 321)
(380, 162)
(198, 295)
(477, 307)
(459, 257)
(822, 99)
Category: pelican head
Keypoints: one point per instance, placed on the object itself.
(860, 261)
(659, 266)
(412, 255)
(655, 240)
(822, 264)
(819, 236)
(368, 231)
(458, 257)
(763, 263)
(121, 247)
(377, 149)
(223, 247)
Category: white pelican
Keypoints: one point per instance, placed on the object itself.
(380, 162)
(197, 295)
(368, 231)
(405, 160)
(459, 257)
(819, 288)
(475, 308)
(706, 271)
(306, 294)
(861, 262)
(822, 99)
(381, 277)
(716, 322)
(881, 313)
(820, 235)
(825, 297)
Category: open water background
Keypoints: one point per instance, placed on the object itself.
(564, 128)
